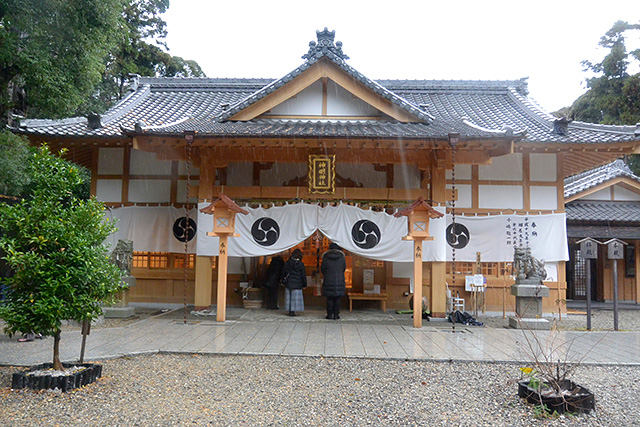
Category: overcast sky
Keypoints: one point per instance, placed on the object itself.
(459, 39)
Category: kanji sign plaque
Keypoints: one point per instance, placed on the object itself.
(322, 174)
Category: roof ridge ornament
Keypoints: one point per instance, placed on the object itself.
(325, 46)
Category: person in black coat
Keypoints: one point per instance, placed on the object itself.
(333, 267)
(271, 281)
(294, 281)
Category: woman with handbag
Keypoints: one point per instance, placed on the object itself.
(294, 281)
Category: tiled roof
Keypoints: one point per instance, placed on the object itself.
(475, 109)
(583, 181)
(587, 211)
(603, 231)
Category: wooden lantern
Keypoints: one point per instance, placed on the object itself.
(224, 212)
(419, 213)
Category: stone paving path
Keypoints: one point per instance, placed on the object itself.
(361, 334)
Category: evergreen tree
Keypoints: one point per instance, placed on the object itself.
(52, 242)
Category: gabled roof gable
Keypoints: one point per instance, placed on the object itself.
(591, 181)
(325, 59)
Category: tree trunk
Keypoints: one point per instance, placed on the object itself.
(57, 365)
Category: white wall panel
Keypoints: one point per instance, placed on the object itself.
(181, 196)
(542, 167)
(109, 190)
(110, 161)
(182, 169)
(462, 172)
(150, 190)
(306, 102)
(503, 168)
(620, 193)
(143, 163)
(342, 103)
(543, 198)
(500, 197)
(402, 270)
(464, 196)
(604, 194)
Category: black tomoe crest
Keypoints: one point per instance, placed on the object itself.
(457, 237)
(182, 231)
(365, 234)
(265, 231)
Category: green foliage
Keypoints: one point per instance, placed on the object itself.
(52, 52)
(60, 58)
(53, 242)
(13, 164)
(614, 95)
(135, 55)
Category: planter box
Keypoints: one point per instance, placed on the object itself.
(79, 378)
(581, 400)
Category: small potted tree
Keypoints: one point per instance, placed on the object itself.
(52, 240)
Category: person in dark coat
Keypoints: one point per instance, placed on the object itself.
(294, 280)
(333, 267)
(271, 281)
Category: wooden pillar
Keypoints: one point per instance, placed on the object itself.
(637, 278)
(438, 289)
(438, 269)
(417, 283)
(203, 283)
(221, 308)
(202, 297)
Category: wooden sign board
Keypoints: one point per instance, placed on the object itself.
(322, 174)
(589, 248)
(615, 249)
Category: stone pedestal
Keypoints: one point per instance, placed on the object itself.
(122, 310)
(529, 294)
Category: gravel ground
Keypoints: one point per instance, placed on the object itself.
(178, 390)
(601, 320)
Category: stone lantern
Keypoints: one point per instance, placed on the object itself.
(418, 214)
(224, 212)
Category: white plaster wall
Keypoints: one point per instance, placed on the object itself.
(109, 190)
(342, 103)
(542, 167)
(110, 161)
(500, 197)
(406, 176)
(281, 173)
(182, 169)
(181, 196)
(462, 172)
(143, 163)
(544, 198)
(402, 270)
(240, 174)
(620, 193)
(503, 168)
(604, 194)
(464, 196)
(150, 190)
(306, 102)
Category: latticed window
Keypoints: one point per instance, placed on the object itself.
(495, 269)
(157, 260)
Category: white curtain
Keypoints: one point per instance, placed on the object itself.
(152, 228)
(375, 235)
